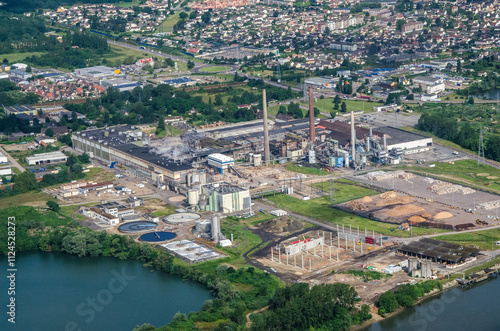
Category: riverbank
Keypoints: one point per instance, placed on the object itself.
(448, 284)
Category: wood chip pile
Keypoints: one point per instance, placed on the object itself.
(356, 205)
(442, 215)
(404, 210)
(416, 219)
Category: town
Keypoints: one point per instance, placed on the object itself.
(259, 146)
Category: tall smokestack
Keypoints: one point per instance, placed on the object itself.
(266, 132)
(312, 131)
(353, 137)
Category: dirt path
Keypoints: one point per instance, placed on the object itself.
(249, 322)
(13, 161)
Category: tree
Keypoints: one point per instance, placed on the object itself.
(493, 148)
(49, 132)
(400, 23)
(333, 114)
(183, 15)
(161, 125)
(190, 64)
(343, 107)
(459, 65)
(54, 206)
(28, 69)
(84, 158)
(25, 182)
(471, 100)
(193, 14)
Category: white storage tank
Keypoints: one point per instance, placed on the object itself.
(193, 197)
(257, 160)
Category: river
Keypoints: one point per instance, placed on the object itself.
(475, 308)
(56, 291)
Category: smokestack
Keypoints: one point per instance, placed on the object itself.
(368, 143)
(371, 132)
(385, 143)
(312, 131)
(353, 137)
(266, 131)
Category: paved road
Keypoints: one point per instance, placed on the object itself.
(12, 161)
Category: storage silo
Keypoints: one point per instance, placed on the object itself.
(215, 228)
(193, 197)
(203, 226)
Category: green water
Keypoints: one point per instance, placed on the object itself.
(56, 291)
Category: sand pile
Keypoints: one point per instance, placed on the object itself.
(426, 215)
(404, 210)
(442, 215)
(367, 199)
(483, 174)
(492, 177)
(400, 200)
(389, 195)
(416, 219)
(356, 205)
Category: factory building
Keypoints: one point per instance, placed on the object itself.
(179, 82)
(123, 145)
(221, 162)
(225, 197)
(45, 158)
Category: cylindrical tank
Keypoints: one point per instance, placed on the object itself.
(257, 160)
(363, 159)
(203, 226)
(215, 228)
(203, 177)
(193, 197)
(203, 201)
(188, 180)
(195, 178)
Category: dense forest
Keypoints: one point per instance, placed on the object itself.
(445, 124)
(23, 6)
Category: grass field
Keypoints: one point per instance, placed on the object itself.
(128, 4)
(97, 174)
(119, 54)
(435, 139)
(18, 57)
(345, 190)
(215, 69)
(326, 105)
(33, 198)
(306, 170)
(320, 210)
(169, 23)
(465, 172)
(484, 239)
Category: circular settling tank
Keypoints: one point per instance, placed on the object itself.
(157, 236)
(181, 218)
(137, 226)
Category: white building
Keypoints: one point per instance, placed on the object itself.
(3, 158)
(303, 245)
(433, 89)
(99, 215)
(45, 158)
(220, 161)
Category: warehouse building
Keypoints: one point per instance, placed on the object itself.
(95, 72)
(179, 82)
(123, 145)
(121, 84)
(3, 158)
(221, 162)
(45, 158)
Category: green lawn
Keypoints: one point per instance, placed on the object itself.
(306, 170)
(484, 239)
(169, 23)
(38, 198)
(165, 211)
(320, 210)
(18, 57)
(128, 4)
(326, 105)
(345, 190)
(119, 54)
(215, 69)
(97, 174)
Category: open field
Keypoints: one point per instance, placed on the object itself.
(464, 171)
(97, 175)
(326, 105)
(345, 190)
(119, 54)
(169, 23)
(319, 209)
(306, 170)
(435, 139)
(215, 69)
(128, 4)
(484, 239)
(35, 199)
(18, 57)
